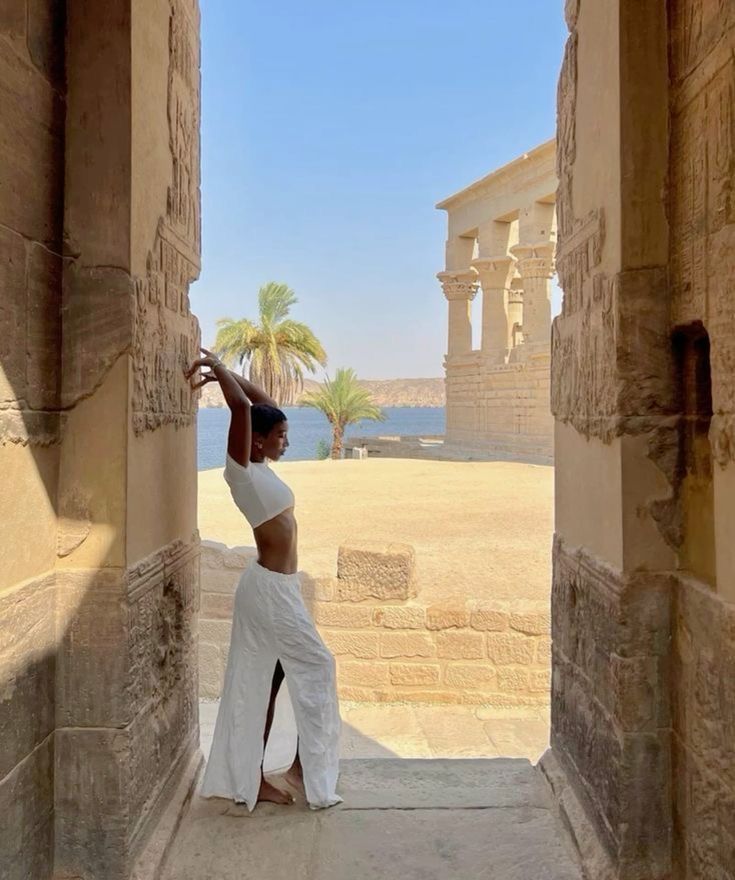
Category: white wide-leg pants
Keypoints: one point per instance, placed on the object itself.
(271, 623)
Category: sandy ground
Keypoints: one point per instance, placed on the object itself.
(481, 530)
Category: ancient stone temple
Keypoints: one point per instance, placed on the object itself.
(99, 241)
(643, 390)
(501, 240)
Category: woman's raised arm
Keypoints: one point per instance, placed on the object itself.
(239, 438)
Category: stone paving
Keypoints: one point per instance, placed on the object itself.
(407, 814)
(402, 819)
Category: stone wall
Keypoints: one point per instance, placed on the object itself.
(500, 410)
(389, 646)
(642, 391)
(32, 95)
(701, 213)
(99, 241)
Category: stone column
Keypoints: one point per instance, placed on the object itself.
(495, 274)
(460, 288)
(616, 458)
(536, 266)
(126, 738)
(515, 312)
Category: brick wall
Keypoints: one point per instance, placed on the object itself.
(389, 645)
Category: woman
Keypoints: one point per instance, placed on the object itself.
(272, 632)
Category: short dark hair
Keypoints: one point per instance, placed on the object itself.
(265, 418)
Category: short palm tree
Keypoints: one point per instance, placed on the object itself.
(343, 401)
(276, 350)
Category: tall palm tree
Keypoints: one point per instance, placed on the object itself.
(343, 401)
(276, 350)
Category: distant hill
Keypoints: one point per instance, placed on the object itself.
(385, 392)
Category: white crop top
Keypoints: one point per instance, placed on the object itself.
(258, 492)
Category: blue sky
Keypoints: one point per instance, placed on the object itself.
(330, 130)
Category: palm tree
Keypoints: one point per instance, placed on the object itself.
(277, 349)
(343, 401)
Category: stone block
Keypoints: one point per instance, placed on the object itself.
(369, 571)
(399, 617)
(31, 115)
(215, 632)
(362, 673)
(93, 664)
(543, 650)
(407, 645)
(46, 20)
(43, 333)
(461, 645)
(511, 648)
(531, 622)
(419, 674)
(211, 670)
(13, 317)
(348, 616)
(473, 676)
(27, 669)
(489, 619)
(219, 580)
(27, 808)
(13, 18)
(99, 318)
(356, 644)
(425, 697)
(212, 554)
(92, 778)
(322, 589)
(512, 680)
(449, 616)
(216, 606)
(238, 558)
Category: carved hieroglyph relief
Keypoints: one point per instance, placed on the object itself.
(166, 333)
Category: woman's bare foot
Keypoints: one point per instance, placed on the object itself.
(273, 795)
(294, 776)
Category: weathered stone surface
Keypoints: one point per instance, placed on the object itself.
(397, 617)
(392, 808)
(415, 673)
(31, 114)
(349, 616)
(510, 649)
(91, 778)
(217, 606)
(364, 674)
(460, 645)
(382, 572)
(531, 622)
(27, 829)
(464, 675)
(489, 619)
(613, 735)
(447, 616)
(27, 670)
(46, 19)
(357, 644)
(99, 307)
(406, 645)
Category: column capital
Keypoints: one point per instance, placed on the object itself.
(459, 285)
(535, 260)
(495, 273)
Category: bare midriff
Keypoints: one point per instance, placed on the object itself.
(276, 541)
